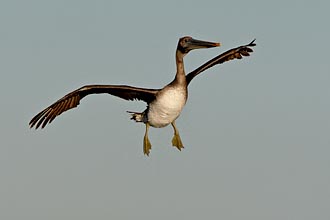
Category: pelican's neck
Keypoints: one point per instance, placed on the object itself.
(180, 76)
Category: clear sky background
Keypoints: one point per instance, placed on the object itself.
(256, 130)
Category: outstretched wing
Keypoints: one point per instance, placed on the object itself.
(235, 53)
(72, 100)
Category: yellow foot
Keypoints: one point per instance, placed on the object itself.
(146, 145)
(176, 142)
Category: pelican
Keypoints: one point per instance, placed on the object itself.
(163, 105)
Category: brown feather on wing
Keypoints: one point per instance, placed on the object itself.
(235, 53)
(72, 99)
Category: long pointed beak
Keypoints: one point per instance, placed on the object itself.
(197, 44)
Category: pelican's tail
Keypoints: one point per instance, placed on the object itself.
(138, 116)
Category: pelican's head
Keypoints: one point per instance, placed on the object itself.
(187, 44)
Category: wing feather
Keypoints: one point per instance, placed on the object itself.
(235, 53)
(72, 100)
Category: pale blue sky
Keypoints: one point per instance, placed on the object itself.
(256, 131)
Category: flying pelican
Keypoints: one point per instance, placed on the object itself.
(163, 105)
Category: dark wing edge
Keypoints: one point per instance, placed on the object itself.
(235, 53)
(72, 100)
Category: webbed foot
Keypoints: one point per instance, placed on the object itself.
(146, 145)
(176, 141)
(146, 142)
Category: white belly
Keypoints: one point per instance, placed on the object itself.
(167, 108)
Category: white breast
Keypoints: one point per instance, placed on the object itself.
(167, 107)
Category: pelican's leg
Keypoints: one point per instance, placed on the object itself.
(146, 142)
(176, 141)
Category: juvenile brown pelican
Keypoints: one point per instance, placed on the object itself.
(163, 105)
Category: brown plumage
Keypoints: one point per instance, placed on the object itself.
(235, 53)
(72, 100)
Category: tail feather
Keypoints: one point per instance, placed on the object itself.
(137, 116)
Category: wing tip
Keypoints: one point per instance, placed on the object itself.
(252, 43)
